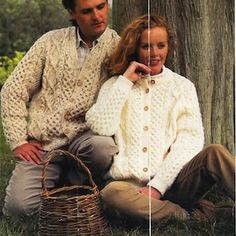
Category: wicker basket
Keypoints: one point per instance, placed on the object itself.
(71, 210)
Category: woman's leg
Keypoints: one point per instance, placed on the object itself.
(124, 197)
(213, 165)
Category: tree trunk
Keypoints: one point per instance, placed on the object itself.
(125, 11)
(205, 54)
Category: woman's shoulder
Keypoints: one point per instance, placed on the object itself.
(110, 81)
(179, 80)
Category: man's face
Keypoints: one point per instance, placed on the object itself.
(92, 18)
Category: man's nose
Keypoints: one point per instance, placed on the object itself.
(95, 14)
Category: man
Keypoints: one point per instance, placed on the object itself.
(45, 99)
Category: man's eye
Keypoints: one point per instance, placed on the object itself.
(86, 11)
(101, 6)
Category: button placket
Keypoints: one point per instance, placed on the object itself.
(145, 130)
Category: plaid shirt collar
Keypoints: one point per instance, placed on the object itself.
(81, 43)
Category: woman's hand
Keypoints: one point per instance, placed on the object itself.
(30, 152)
(153, 192)
(135, 71)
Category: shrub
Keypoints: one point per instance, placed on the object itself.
(7, 65)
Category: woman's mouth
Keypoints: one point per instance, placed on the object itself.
(154, 61)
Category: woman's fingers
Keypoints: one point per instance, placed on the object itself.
(136, 70)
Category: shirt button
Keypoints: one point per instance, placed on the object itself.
(145, 108)
(145, 149)
(152, 81)
(145, 128)
(72, 100)
(147, 90)
(145, 169)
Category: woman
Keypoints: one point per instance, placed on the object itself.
(161, 170)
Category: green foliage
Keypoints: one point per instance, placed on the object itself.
(7, 65)
(24, 21)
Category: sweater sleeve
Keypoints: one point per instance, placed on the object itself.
(104, 116)
(188, 142)
(17, 91)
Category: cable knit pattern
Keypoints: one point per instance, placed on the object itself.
(48, 94)
(156, 122)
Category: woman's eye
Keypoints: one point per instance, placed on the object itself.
(145, 46)
(161, 45)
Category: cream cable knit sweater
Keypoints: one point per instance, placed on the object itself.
(156, 122)
(47, 95)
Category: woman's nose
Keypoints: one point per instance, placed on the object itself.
(154, 51)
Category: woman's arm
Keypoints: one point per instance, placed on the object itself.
(188, 142)
(104, 116)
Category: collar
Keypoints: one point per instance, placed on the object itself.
(80, 41)
(148, 78)
(163, 72)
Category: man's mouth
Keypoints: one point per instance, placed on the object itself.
(98, 24)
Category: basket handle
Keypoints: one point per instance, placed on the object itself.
(56, 153)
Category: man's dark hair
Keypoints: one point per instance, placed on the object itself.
(69, 4)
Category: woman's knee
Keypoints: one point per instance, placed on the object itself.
(115, 192)
(215, 148)
(217, 152)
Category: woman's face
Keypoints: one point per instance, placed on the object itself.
(153, 49)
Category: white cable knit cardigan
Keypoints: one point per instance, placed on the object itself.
(47, 95)
(156, 122)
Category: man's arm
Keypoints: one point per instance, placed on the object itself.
(17, 91)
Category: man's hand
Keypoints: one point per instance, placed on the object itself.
(30, 152)
(153, 192)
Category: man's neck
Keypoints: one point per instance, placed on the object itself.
(89, 41)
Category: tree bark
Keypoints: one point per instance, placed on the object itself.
(123, 12)
(205, 54)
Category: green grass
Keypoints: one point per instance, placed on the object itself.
(29, 226)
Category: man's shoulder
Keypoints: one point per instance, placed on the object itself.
(112, 31)
(61, 31)
(112, 34)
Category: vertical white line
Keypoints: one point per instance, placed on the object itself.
(149, 164)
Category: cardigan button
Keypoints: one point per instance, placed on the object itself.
(145, 149)
(67, 116)
(145, 128)
(147, 90)
(79, 83)
(145, 169)
(153, 81)
(146, 108)
(66, 131)
(72, 100)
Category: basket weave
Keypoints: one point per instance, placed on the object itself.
(71, 210)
